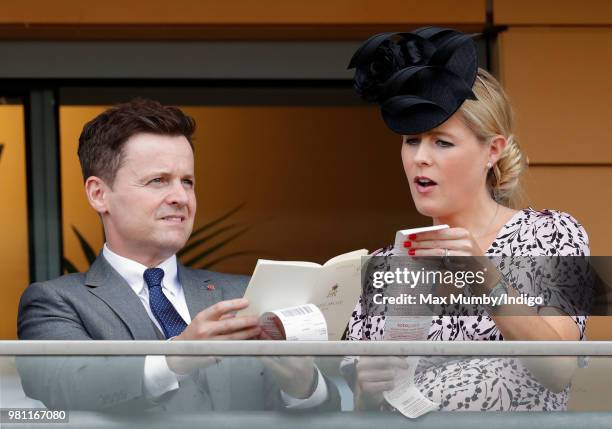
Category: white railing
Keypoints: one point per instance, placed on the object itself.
(309, 348)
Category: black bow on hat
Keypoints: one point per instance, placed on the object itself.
(419, 79)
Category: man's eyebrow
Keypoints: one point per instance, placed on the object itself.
(145, 176)
(156, 173)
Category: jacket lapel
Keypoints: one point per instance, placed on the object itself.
(110, 287)
(199, 292)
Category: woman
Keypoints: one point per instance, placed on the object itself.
(463, 165)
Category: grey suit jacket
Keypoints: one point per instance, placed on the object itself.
(100, 305)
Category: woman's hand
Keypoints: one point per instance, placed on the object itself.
(458, 241)
(375, 375)
(451, 243)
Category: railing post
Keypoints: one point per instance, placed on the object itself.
(44, 199)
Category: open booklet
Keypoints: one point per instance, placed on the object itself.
(305, 300)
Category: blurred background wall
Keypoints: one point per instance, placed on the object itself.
(288, 161)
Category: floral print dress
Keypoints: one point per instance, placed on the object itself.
(492, 383)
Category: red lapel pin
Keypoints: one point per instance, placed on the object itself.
(210, 287)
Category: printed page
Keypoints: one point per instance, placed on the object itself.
(301, 323)
(406, 328)
(274, 286)
(406, 396)
(346, 257)
(334, 288)
(403, 234)
(338, 291)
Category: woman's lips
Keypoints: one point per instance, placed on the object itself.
(425, 189)
(424, 184)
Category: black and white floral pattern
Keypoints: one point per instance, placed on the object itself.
(496, 384)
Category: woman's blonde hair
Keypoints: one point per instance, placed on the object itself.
(490, 115)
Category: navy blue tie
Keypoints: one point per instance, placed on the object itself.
(167, 316)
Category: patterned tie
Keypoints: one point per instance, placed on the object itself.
(167, 316)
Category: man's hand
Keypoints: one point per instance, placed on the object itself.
(294, 375)
(374, 376)
(217, 322)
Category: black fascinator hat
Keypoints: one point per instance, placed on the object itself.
(419, 79)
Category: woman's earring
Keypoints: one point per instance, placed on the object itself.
(489, 165)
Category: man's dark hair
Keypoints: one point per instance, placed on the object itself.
(103, 138)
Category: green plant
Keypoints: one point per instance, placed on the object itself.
(197, 249)
(88, 251)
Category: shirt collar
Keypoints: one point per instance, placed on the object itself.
(132, 271)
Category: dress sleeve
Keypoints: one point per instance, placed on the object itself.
(560, 234)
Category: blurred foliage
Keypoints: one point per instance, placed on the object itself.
(199, 251)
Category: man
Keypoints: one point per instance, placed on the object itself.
(138, 166)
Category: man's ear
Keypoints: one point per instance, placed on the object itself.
(97, 190)
(497, 146)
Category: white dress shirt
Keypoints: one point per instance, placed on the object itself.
(158, 378)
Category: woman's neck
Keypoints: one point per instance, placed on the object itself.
(478, 217)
